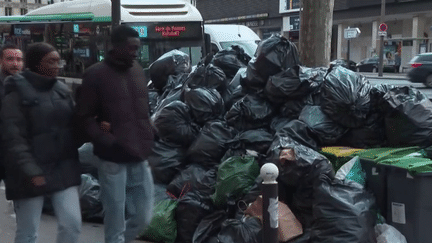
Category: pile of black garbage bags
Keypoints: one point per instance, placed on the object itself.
(220, 121)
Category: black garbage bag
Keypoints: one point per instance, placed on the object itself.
(171, 63)
(278, 123)
(247, 229)
(215, 78)
(299, 131)
(208, 76)
(346, 97)
(292, 108)
(299, 167)
(166, 161)
(194, 178)
(211, 143)
(173, 91)
(90, 202)
(409, 122)
(153, 100)
(327, 131)
(293, 83)
(174, 124)
(231, 97)
(209, 227)
(372, 134)
(250, 112)
(205, 104)
(343, 212)
(229, 60)
(274, 55)
(258, 140)
(378, 103)
(191, 209)
(252, 80)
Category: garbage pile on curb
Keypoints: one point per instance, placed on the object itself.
(220, 122)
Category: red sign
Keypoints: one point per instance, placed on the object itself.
(170, 31)
(383, 27)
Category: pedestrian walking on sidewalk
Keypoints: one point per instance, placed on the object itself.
(41, 157)
(11, 61)
(397, 62)
(115, 91)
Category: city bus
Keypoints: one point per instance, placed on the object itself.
(80, 30)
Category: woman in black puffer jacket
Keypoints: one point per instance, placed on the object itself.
(41, 156)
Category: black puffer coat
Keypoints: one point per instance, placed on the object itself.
(37, 136)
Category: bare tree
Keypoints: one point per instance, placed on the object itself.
(316, 20)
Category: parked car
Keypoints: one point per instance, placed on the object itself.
(371, 65)
(348, 64)
(421, 69)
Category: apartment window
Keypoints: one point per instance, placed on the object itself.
(8, 11)
(23, 11)
(38, 1)
(8, 0)
(23, 1)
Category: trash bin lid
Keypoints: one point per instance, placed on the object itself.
(380, 154)
(414, 165)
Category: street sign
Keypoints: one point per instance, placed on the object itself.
(382, 33)
(383, 27)
(351, 33)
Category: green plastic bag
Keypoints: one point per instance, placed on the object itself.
(235, 177)
(163, 227)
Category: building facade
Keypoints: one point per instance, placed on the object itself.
(409, 23)
(21, 7)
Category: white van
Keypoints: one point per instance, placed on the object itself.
(223, 36)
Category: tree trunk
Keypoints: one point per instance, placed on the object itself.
(316, 20)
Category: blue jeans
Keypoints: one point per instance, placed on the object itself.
(127, 195)
(66, 208)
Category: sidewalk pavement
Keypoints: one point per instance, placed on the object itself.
(90, 232)
(401, 76)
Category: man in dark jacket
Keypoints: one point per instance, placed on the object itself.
(115, 91)
(11, 61)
